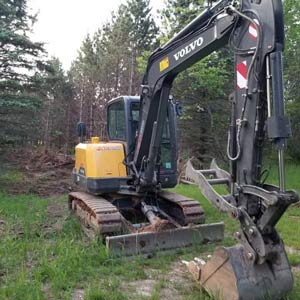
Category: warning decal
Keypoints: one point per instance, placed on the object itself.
(242, 75)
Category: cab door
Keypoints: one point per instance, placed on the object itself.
(116, 121)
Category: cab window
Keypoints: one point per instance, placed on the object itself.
(135, 112)
(116, 121)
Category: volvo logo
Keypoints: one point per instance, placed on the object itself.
(189, 48)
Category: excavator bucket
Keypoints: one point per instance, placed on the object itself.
(230, 275)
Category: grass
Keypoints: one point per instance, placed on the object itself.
(292, 175)
(45, 255)
(12, 176)
(289, 226)
(32, 256)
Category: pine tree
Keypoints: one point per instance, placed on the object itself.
(107, 67)
(142, 37)
(178, 13)
(291, 56)
(19, 80)
(56, 116)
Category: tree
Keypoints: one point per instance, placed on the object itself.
(20, 60)
(106, 66)
(291, 72)
(178, 13)
(143, 37)
(57, 115)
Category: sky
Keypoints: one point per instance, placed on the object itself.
(63, 24)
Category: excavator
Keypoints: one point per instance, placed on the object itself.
(123, 181)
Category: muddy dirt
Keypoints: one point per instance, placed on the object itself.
(168, 285)
(48, 183)
(143, 288)
(291, 250)
(296, 269)
(173, 284)
(296, 204)
(57, 214)
(2, 228)
(78, 295)
(48, 291)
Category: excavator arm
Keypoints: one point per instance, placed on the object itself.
(255, 31)
(209, 32)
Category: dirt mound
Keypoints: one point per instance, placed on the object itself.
(45, 160)
(43, 172)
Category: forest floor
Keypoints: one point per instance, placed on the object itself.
(44, 253)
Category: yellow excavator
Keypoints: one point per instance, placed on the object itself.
(123, 181)
(135, 220)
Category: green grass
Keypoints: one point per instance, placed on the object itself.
(292, 175)
(12, 176)
(45, 255)
(34, 253)
(289, 225)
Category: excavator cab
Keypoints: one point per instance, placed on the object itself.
(102, 167)
(123, 118)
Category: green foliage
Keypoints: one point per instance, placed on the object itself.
(39, 104)
(34, 94)
(20, 61)
(292, 49)
(17, 50)
(58, 114)
(109, 290)
(211, 213)
(106, 66)
(291, 72)
(292, 173)
(11, 176)
(205, 87)
(294, 259)
(142, 27)
(142, 61)
(178, 13)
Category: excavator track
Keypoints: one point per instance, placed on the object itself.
(96, 212)
(184, 215)
(105, 218)
(184, 210)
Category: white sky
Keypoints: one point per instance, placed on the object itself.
(63, 24)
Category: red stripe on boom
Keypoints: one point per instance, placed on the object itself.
(242, 69)
(252, 31)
